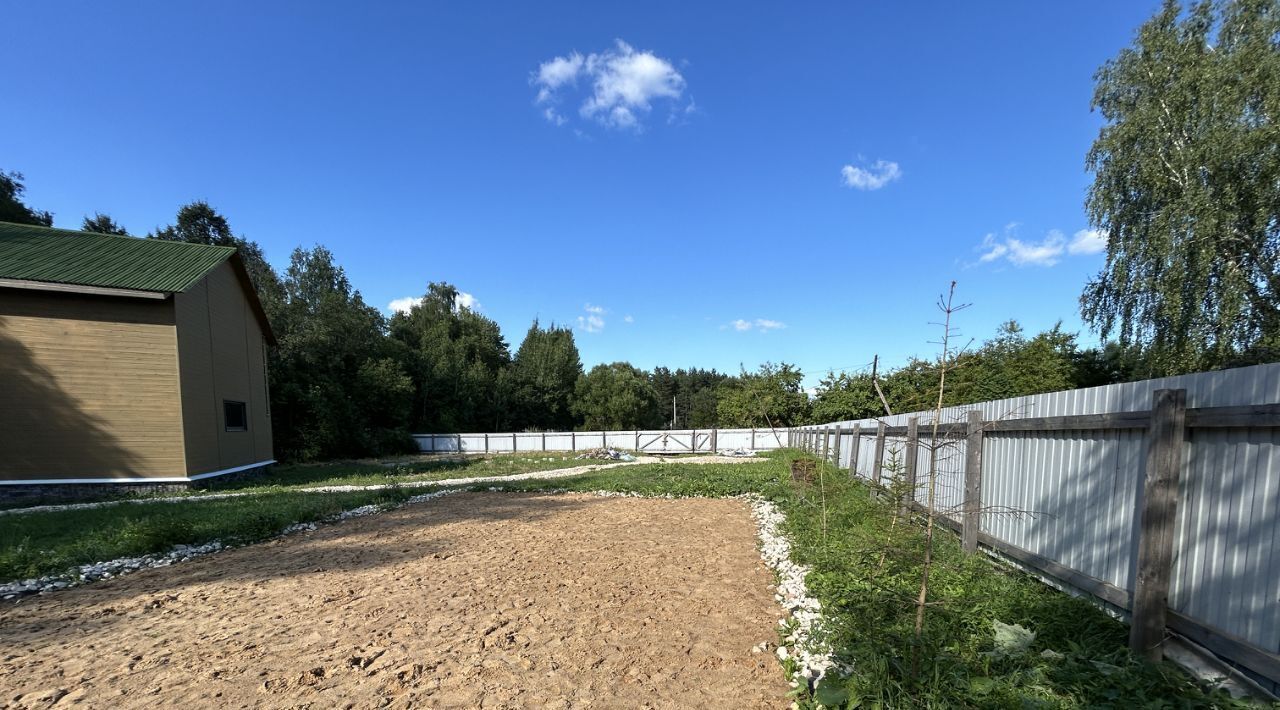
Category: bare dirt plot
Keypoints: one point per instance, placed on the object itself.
(473, 600)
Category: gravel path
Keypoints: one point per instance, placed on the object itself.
(476, 600)
(538, 475)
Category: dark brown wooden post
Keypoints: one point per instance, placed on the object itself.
(486, 443)
(715, 443)
(972, 507)
(573, 441)
(637, 439)
(459, 443)
(835, 448)
(879, 464)
(604, 440)
(826, 443)
(514, 446)
(1155, 532)
(909, 467)
(753, 438)
(855, 443)
(544, 440)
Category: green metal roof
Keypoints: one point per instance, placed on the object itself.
(32, 253)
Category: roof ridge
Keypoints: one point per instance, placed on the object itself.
(116, 236)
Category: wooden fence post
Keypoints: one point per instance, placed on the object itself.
(459, 442)
(835, 448)
(715, 443)
(1155, 532)
(910, 464)
(573, 441)
(486, 443)
(972, 506)
(855, 444)
(753, 438)
(879, 464)
(604, 440)
(826, 443)
(544, 441)
(514, 446)
(637, 439)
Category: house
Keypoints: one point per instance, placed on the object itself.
(127, 362)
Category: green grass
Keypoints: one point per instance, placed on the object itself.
(366, 473)
(37, 544)
(359, 473)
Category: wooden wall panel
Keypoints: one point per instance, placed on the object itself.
(88, 388)
(222, 359)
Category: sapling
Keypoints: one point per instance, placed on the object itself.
(946, 362)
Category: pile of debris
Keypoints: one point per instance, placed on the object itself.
(603, 454)
(737, 453)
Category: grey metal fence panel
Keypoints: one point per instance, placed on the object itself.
(1072, 496)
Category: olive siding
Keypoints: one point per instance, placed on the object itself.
(221, 359)
(89, 387)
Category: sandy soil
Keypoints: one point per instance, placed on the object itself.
(474, 600)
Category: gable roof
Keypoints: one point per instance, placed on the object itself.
(108, 261)
(33, 253)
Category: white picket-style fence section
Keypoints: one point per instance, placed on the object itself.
(652, 441)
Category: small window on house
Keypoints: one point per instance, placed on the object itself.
(235, 415)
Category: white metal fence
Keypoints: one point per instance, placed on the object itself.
(653, 441)
(1074, 462)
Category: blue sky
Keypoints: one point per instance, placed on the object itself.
(688, 184)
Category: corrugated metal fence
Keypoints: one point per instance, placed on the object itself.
(1061, 481)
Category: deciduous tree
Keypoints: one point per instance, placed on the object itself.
(1187, 186)
(616, 396)
(12, 208)
(102, 224)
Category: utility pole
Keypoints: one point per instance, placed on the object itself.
(875, 366)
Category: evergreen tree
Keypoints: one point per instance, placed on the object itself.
(542, 378)
(456, 358)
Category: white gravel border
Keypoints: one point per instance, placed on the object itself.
(179, 553)
(531, 475)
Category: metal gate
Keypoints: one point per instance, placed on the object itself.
(675, 442)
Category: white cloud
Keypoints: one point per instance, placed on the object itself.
(1046, 252)
(873, 177)
(559, 71)
(593, 322)
(761, 324)
(464, 300)
(1088, 241)
(625, 84)
(628, 319)
(402, 305)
